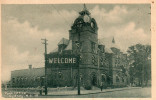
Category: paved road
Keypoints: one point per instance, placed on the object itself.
(129, 93)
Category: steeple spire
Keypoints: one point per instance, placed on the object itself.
(84, 11)
(113, 40)
(85, 8)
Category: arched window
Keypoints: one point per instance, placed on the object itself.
(123, 79)
(117, 79)
(103, 77)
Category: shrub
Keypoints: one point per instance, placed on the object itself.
(88, 87)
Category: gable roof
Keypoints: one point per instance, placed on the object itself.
(63, 41)
(66, 42)
(109, 43)
(69, 47)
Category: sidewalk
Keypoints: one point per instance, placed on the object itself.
(83, 92)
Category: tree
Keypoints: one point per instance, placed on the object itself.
(139, 57)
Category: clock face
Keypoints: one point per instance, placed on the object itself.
(86, 18)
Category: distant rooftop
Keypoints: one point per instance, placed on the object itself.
(33, 72)
(109, 43)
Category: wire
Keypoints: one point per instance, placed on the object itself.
(60, 14)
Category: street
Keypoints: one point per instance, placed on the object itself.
(125, 93)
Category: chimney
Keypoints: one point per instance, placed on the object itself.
(30, 66)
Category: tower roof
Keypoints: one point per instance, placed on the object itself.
(84, 11)
(85, 8)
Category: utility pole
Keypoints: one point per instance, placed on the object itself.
(46, 62)
(79, 66)
(98, 52)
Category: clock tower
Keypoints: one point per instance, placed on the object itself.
(84, 29)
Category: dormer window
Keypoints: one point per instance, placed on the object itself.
(62, 44)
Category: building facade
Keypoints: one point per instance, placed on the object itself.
(98, 63)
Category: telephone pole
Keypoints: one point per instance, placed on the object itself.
(78, 63)
(46, 62)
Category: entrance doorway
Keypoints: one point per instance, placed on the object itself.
(93, 79)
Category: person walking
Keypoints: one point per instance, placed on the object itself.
(101, 86)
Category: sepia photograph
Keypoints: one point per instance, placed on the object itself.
(80, 50)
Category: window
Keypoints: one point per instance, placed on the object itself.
(93, 60)
(21, 80)
(80, 46)
(60, 75)
(93, 47)
(17, 80)
(103, 78)
(117, 79)
(38, 78)
(122, 79)
(25, 79)
(101, 61)
(101, 48)
(13, 80)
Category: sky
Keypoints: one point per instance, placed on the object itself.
(23, 26)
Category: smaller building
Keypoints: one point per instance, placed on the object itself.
(31, 77)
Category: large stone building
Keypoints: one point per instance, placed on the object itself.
(99, 61)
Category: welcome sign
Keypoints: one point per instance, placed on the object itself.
(63, 60)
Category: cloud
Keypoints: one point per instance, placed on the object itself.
(127, 35)
(130, 35)
(116, 15)
(22, 45)
(11, 59)
(115, 23)
(12, 56)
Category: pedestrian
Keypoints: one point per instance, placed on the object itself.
(101, 86)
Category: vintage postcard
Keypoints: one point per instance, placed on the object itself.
(77, 50)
